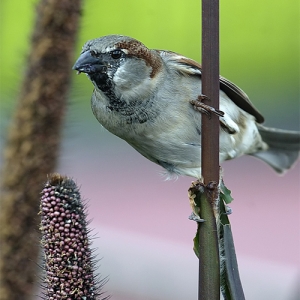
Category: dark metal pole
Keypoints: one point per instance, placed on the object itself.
(210, 88)
(209, 265)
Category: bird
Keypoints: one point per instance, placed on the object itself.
(152, 99)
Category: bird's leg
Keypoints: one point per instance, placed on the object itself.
(204, 108)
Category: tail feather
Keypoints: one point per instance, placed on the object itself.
(284, 147)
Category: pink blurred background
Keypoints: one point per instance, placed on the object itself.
(141, 220)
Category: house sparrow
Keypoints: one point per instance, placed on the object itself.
(147, 98)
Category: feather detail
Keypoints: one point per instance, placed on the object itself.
(187, 66)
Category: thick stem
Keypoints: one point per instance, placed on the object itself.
(209, 265)
(33, 142)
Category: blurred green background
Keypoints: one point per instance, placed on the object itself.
(259, 45)
(260, 53)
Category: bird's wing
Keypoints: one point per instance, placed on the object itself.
(187, 66)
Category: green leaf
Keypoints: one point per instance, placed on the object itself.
(230, 276)
(196, 242)
(231, 285)
(225, 193)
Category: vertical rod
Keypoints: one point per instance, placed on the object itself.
(209, 265)
(210, 88)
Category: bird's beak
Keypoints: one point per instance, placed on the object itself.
(86, 63)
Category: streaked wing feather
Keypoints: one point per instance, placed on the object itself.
(240, 98)
(190, 67)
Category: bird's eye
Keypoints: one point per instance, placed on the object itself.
(94, 53)
(116, 54)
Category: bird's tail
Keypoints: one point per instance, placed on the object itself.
(284, 147)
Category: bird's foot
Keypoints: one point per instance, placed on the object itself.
(204, 108)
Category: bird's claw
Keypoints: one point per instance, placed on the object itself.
(204, 108)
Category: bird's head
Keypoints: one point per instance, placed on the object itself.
(119, 64)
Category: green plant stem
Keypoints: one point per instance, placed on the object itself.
(209, 265)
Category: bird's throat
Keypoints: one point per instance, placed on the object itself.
(133, 111)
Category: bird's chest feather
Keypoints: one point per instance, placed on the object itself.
(150, 128)
(126, 120)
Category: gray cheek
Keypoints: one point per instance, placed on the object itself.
(125, 78)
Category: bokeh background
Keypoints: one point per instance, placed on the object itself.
(145, 237)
